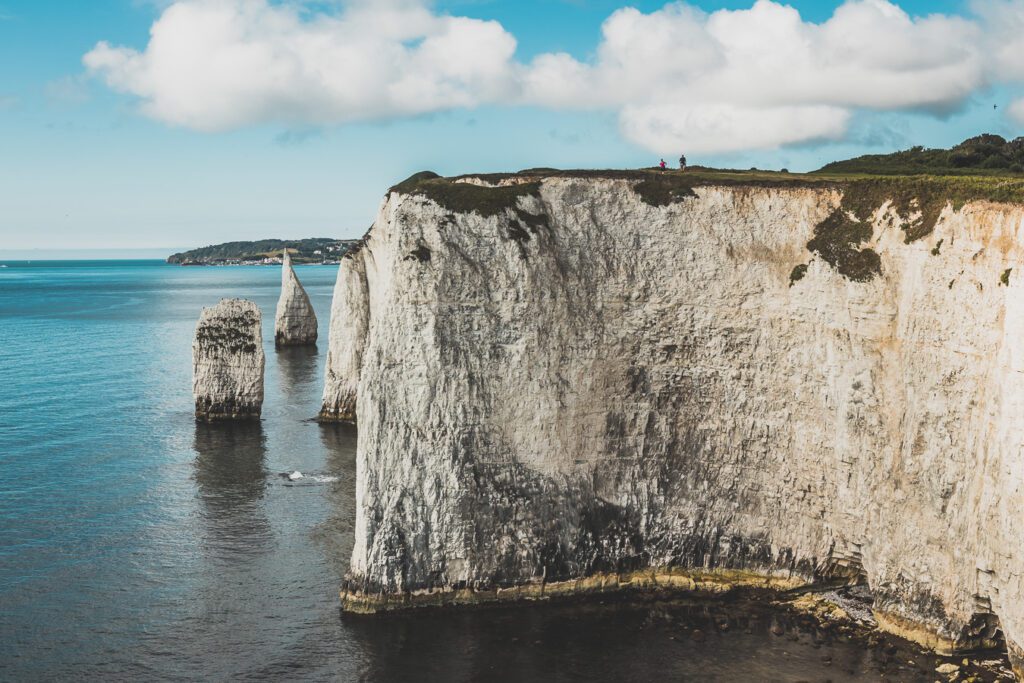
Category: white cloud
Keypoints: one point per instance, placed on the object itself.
(762, 77)
(709, 128)
(678, 77)
(219, 64)
(1004, 21)
(1017, 111)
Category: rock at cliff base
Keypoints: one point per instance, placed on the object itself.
(295, 323)
(228, 361)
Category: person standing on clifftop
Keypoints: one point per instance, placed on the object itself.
(663, 165)
(682, 162)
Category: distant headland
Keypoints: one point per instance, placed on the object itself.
(265, 252)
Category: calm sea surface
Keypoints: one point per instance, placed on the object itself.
(138, 545)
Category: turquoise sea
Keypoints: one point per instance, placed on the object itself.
(138, 545)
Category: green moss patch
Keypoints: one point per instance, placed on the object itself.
(917, 199)
(229, 333)
(936, 248)
(1004, 279)
(797, 274)
(662, 191)
(535, 222)
(837, 240)
(410, 183)
(460, 197)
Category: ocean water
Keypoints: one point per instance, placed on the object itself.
(136, 544)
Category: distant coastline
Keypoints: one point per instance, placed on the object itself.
(314, 250)
(121, 254)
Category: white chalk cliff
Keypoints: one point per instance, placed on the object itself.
(295, 322)
(228, 362)
(583, 382)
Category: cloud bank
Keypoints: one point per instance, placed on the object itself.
(679, 78)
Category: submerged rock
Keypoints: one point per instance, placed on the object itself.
(564, 385)
(228, 361)
(295, 322)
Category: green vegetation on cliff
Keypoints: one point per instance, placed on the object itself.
(915, 181)
(312, 250)
(836, 239)
(981, 155)
(917, 185)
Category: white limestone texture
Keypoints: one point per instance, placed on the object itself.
(295, 322)
(348, 331)
(228, 362)
(627, 385)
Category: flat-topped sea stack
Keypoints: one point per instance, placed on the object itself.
(228, 362)
(295, 323)
(589, 381)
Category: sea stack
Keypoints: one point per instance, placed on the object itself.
(350, 320)
(227, 362)
(295, 324)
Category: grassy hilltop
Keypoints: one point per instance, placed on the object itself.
(302, 251)
(989, 155)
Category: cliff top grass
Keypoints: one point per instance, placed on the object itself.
(918, 182)
(463, 197)
(918, 198)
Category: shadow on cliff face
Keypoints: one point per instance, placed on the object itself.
(231, 478)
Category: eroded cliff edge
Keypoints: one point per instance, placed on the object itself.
(566, 377)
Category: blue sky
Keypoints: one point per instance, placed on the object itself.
(83, 165)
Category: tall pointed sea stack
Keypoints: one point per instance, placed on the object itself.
(227, 362)
(350, 320)
(295, 324)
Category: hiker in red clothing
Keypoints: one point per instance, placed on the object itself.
(663, 165)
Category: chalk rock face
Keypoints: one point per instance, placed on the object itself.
(350, 317)
(228, 361)
(586, 384)
(295, 322)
